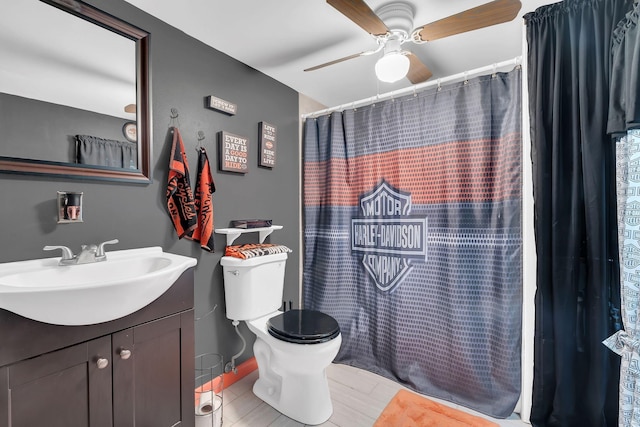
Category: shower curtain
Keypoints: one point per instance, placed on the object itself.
(413, 242)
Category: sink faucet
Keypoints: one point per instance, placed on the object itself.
(88, 253)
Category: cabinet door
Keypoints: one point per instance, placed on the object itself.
(153, 376)
(68, 387)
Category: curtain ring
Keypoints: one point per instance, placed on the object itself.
(518, 62)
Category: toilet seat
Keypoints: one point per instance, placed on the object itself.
(303, 327)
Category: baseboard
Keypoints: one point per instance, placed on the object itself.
(224, 381)
(244, 369)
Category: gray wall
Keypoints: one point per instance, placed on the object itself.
(45, 131)
(184, 72)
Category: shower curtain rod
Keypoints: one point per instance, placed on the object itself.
(412, 89)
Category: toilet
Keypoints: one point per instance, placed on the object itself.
(292, 348)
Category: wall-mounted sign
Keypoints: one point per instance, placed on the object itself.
(221, 105)
(267, 157)
(233, 152)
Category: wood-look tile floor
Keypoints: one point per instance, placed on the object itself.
(358, 399)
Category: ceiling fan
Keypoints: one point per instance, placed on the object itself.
(392, 25)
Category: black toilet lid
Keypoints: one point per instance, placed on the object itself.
(303, 327)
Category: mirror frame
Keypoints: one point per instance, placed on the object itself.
(141, 175)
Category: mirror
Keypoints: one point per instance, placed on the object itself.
(73, 80)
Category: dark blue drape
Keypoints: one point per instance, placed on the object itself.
(577, 300)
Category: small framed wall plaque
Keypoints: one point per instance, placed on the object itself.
(267, 156)
(221, 105)
(233, 152)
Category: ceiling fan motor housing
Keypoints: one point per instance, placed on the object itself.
(398, 17)
(393, 44)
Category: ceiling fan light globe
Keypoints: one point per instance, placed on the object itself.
(392, 67)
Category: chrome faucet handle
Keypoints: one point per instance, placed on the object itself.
(100, 251)
(66, 252)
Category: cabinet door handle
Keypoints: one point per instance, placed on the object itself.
(102, 363)
(124, 353)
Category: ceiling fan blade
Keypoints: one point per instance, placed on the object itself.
(418, 72)
(361, 14)
(495, 12)
(346, 58)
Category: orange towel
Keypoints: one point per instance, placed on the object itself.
(205, 188)
(180, 201)
(408, 409)
(250, 250)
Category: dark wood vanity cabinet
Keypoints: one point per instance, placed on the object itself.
(147, 384)
(61, 388)
(137, 371)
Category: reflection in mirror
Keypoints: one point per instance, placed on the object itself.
(74, 95)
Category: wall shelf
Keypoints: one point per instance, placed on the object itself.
(234, 233)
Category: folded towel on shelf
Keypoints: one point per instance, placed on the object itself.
(251, 250)
(180, 200)
(205, 187)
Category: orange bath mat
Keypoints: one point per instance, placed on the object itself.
(408, 409)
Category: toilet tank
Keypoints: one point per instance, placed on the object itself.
(253, 287)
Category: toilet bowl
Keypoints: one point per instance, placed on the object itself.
(292, 377)
(292, 348)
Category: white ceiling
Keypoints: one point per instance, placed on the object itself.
(283, 37)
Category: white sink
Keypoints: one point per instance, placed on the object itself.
(89, 293)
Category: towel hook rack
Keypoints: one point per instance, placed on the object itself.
(173, 117)
(200, 139)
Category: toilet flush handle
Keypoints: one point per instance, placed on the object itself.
(234, 272)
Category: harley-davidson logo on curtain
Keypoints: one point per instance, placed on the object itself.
(388, 238)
